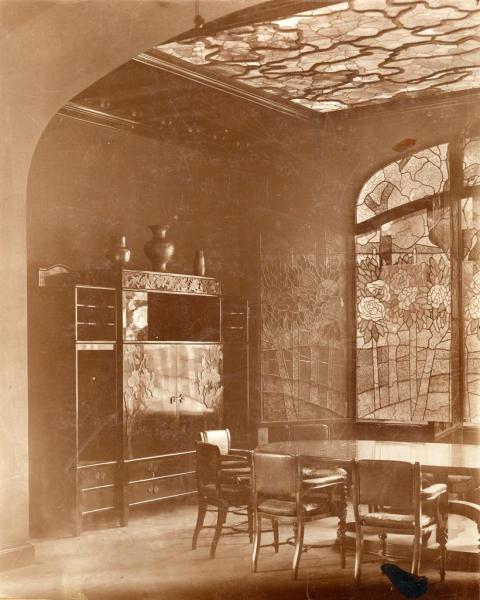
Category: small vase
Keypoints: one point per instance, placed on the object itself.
(118, 254)
(159, 250)
(199, 263)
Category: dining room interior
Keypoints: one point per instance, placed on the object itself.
(242, 300)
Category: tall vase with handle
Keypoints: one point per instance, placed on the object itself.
(159, 250)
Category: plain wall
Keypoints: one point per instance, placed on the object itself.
(88, 182)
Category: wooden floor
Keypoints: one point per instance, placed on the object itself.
(152, 559)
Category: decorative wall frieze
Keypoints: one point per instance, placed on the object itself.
(171, 282)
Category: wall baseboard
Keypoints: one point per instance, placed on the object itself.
(18, 556)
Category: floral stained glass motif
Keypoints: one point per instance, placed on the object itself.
(303, 349)
(415, 176)
(471, 304)
(349, 53)
(471, 162)
(404, 320)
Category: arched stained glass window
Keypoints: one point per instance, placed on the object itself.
(417, 301)
(415, 176)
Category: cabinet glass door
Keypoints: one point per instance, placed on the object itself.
(199, 391)
(149, 405)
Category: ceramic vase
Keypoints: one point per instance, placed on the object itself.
(159, 250)
(118, 254)
(199, 263)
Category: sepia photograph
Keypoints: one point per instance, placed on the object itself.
(240, 305)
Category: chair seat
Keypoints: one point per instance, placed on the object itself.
(394, 520)
(313, 476)
(236, 475)
(288, 508)
(230, 492)
(233, 464)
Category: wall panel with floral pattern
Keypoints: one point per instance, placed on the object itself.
(303, 337)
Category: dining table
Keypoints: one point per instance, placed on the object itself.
(440, 459)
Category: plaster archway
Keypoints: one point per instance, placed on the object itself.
(51, 50)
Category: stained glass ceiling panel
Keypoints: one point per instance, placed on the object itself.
(349, 54)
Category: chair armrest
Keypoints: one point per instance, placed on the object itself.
(239, 452)
(433, 491)
(226, 458)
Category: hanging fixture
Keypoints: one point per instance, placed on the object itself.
(198, 50)
(199, 21)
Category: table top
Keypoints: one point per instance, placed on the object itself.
(450, 457)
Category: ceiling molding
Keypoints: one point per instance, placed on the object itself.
(159, 60)
(98, 117)
(413, 103)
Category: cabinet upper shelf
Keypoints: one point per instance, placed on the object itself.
(172, 283)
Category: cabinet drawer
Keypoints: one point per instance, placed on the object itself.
(96, 475)
(159, 467)
(95, 314)
(97, 499)
(156, 489)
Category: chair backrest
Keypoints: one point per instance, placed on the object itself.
(218, 437)
(208, 464)
(388, 483)
(278, 433)
(310, 431)
(275, 474)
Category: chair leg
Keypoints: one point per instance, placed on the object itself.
(298, 548)
(442, 534)
(221, 517)
(383, 541)
(250, 523)
(202, 509)
(358, 552)
(256, 543)
(275, 535)
(342, 522)
(417, 552)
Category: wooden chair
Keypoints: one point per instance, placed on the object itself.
(231, 457)
(397, 504)
(279, 494)
(217, 491)
(312, 431)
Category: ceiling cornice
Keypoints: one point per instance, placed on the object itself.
(99, 117)
(159, 60)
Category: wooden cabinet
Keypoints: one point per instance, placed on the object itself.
(171, 393)
(125, 369)
(236, 353)
(74, 424)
